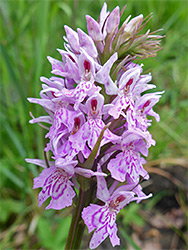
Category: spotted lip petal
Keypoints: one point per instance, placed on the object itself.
(65, 122)
(128, 162)
(102, 218)
(121, 104)
(137, 118)
(55, 183)
(91, 129)
(89, 133)
(66, 151)
(125, 99)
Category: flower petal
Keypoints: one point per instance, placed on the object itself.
(99, 236)
(102, 190)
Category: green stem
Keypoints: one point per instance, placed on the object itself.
(77, 225)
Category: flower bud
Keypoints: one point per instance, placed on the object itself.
(134, 25)
(93, 29)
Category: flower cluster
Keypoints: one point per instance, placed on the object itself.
(95, 84)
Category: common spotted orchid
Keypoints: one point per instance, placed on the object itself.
(102, 218)
(97, 124)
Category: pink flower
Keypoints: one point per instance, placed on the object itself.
(56, 182)
(91, 129)
(143, 107)
(102, 218)
(131, 84)
(108, 21)
(128, 163)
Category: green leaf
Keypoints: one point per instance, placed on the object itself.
(66, 8)
(61, 233)
(41, 42)
(8, 207)
(45, 233)
(53, 239)
(155, 199)
(128, 238)
(11, 176)
(130, 215)
(13, 136)
(12, 73)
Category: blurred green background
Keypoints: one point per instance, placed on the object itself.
(32, 30)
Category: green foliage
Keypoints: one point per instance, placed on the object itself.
(53, 239)
(8, 207)
(31, 30)
(155, 199)
(129, 240)
(130, 215)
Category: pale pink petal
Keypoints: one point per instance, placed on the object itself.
(118, 168)
(87, 216)
(56, 64)
(87, 43)
(93, 29)
(113, 20)
(99, 236)
(55, 183)
(62, 195)
(113, 236)
(72, 38)
(88, 173)
(41, 163)
(102, 190)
